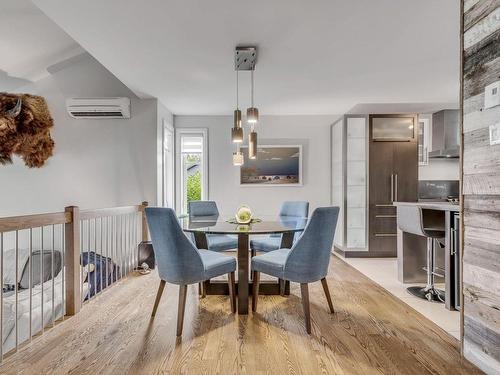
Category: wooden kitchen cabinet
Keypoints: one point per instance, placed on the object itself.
(393, 176)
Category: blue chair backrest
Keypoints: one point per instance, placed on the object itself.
(310, 255)
(295, 208)
(202, 208)
(179, 262)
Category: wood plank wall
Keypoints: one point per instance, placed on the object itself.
(481, 187)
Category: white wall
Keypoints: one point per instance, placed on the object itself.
(312, 132)
(440, 169)
(96, 163)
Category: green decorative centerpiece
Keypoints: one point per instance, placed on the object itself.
(243, 216)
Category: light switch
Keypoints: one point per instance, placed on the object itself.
(492, 95)
(495, 134)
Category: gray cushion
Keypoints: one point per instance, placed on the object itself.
(216, 264)
(271, 263)
(36, 268)
(266, 244)
(9, 265)
(221, 242)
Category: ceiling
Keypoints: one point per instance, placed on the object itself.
(30, 42)
(315, 57)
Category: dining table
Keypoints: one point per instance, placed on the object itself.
(200, 227)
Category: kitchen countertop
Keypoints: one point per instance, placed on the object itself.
(441, 206)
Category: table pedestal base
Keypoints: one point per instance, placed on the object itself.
(244, 286)
(215, 287)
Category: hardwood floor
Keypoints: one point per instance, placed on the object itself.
(371, 332)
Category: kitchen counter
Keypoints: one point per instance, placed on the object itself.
(412, 248)
(440, 206)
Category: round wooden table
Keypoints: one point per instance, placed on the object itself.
(201, 226)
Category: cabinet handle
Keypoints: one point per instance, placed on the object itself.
(452, 242)
(392, 187)
(385, 234)
(396, 187)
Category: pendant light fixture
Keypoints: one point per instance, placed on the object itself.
(237, 130)
(238, 158)
(252, 144)
(245, 59)
(252, 119)
(252, 112)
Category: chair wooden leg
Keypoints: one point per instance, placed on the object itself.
(181, 308)
(158, 297)
(304, 291)
(282, 286)
(203, 290)
(232, 291)
(327, 294)
(255, 297)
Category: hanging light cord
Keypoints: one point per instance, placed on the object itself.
(252, 128)
(252, 88)
(237, 91)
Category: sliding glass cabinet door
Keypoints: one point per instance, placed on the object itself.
(337, 183)
(349, 181)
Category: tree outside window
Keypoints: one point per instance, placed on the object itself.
(193, 181)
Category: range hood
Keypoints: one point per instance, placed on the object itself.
(445, 134)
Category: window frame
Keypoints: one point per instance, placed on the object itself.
(179, 193)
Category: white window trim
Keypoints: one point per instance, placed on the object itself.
(179, 132)
(167, 126)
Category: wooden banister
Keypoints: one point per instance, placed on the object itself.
(112, 211)
(72, 261)
(12, 223)
(71, 218)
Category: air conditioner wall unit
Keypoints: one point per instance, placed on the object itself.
(98, 108)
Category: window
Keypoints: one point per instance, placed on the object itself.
(192, 167)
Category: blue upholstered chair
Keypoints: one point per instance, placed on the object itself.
(306, 262)
(289, 209)
(180, 262)
(208, 210)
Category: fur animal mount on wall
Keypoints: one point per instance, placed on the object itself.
(25, 124)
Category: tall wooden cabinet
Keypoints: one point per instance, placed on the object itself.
(393, 176)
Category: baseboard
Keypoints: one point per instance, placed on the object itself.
(339, 251)
(363, 254)
(367, 254)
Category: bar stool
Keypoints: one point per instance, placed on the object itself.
(411, 220)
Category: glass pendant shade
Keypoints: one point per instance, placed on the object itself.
(237, 135)
(237, 158)
(237, 118)
(252, 115)
(252, 145)
(237, 130)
